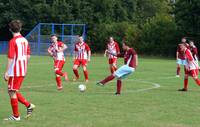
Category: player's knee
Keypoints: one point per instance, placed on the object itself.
(12, 94)
(84, 68)
(75, 67)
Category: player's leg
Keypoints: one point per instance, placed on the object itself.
(113, 65)
(65, 75)
(59, 82)
(75, 69)
(178, 70)
(14, 105)
(58, 67)
(194, 74)
(185, 88)
(119, 73)
(28, 105)
(84, 65)
(13, 85)
(119, 85)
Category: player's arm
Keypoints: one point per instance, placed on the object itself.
(63, 47)
(136, 59)
(115, 54)
(50, 52)
(177, 54)
(11, 54)
(75, 54)
(117, 48)
(28, 52)
(105, 52)
(89, 52)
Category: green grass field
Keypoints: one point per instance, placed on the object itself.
(141, 104)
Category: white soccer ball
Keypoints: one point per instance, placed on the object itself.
(82, 87)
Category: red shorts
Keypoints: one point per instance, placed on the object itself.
(14, 83)
(192, 73)
(82, 62)
(112, 60)
(59, 64)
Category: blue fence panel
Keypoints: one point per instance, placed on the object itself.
(3, 47)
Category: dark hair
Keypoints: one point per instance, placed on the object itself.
(15, 26)
(54, 35)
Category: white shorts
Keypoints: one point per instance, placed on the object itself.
(123, 71)
(181, 62)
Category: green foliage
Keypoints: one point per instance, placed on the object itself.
(120, 31)
(187, 15)
(158, 36)
(145, 24)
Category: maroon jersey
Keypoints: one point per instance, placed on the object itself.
(129, 57)
(194, 52)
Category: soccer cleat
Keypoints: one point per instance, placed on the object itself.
(117, 93)
(99, 84)
(183, 89)
(30, 110)
(86, 80)
(75, 79)
(12, 118)
(177, 76)
(66, 76)
(59, 88)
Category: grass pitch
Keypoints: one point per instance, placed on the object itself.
(141, 103)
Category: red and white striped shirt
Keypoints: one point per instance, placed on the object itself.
(81, 50)
(19, 51)
(191, 64)
(113, 48)
(53, 49)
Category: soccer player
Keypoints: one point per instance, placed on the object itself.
(56, 50)
(191, 67)
(18, 56)
(130, 64)
(180, 57)
(113, 47)
(194, 51)
(82, 55)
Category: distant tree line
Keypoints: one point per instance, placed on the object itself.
(153, 27)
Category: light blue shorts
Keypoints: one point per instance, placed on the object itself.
(181, 62)
(123, 71)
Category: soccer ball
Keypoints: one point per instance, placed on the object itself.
(82, 87)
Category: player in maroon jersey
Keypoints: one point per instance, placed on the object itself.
(82, 55)
(130, 64)
(113, 47)
(191, 67)
(18, 56)
(56, 50)
(180, 56)
(194, 51)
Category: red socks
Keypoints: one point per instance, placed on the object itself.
(76, 73)
(58, 81)
(85, 74)
(22, 100)
(178, 71)
(186, 84)
(197, 82)
(14, 105)
(119, 85)
(107, 79)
